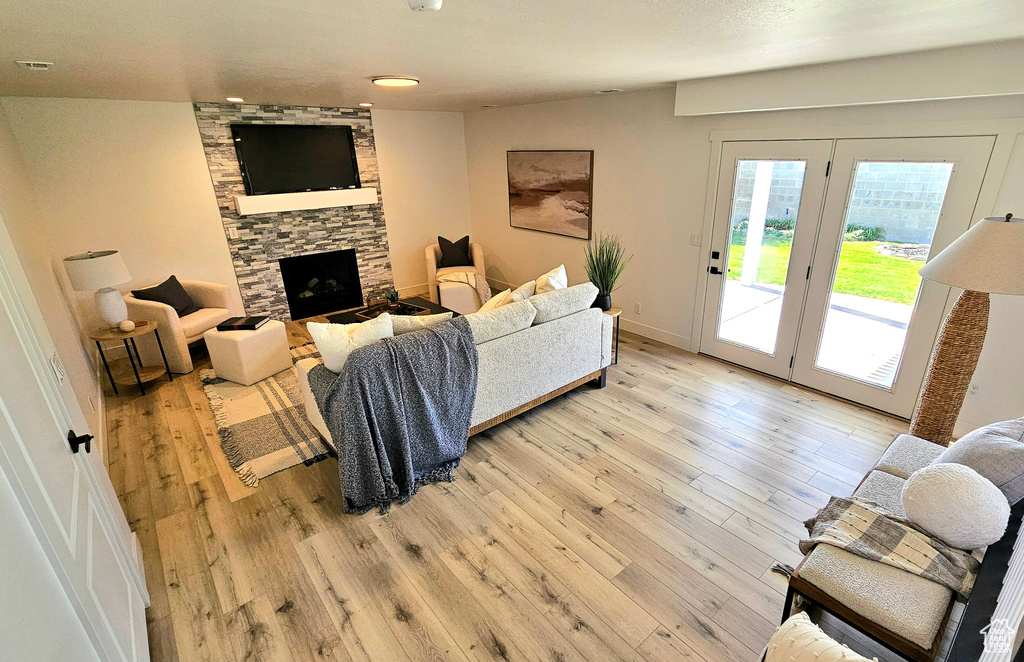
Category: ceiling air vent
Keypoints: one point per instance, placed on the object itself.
(35, 65)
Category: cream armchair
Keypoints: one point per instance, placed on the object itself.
(177, 333)
(460, 297)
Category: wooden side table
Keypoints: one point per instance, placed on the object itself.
(117, 371)
(617, 314)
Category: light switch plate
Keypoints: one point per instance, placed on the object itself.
(695, 239)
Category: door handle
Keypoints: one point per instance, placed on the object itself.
(715, 271)
(77, 441)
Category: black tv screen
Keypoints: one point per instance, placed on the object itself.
(285, 158)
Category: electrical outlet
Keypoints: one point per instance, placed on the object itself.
(233, 233)
(974, 391)
(636, 307)
(695, 239)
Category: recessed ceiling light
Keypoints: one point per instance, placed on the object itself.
(34, 65)
(366, 105)
(234, 99)
(395, 81)
(614, 90)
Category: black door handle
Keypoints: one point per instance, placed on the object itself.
(715, 271)
(77, 441)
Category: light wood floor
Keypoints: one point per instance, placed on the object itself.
(638, 522)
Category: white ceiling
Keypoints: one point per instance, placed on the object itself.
(472, 52)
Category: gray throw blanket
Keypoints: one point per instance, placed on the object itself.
(864, 528)
(399, 412)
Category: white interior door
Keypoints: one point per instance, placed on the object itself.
(70, 505)
(766, 217)
(870, 322)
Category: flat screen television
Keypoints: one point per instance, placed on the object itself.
(286, 158)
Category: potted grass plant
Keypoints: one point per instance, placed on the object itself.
(605, 260)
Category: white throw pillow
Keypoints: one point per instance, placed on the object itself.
(524, 291)
(508, 319)
(957, 505)
(497, 301)
(552, 280)
(552, 305)
(800, 640)
(336, 341)
(409, 323)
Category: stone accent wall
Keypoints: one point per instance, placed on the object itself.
(263, 239)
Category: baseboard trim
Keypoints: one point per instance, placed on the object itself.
(413, 290)
(500, 285)
(654, 333)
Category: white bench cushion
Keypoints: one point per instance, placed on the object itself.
(908, 605)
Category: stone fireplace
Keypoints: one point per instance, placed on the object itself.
(321, 283)
(260, 244)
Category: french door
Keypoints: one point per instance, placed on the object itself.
(815, 252)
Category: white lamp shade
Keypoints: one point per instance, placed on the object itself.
(95, 271)
(987, 258)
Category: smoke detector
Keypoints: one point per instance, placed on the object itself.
(34, 65)
(425, 5)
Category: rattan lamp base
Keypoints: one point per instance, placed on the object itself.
(951, 367)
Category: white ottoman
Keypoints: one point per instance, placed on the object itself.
(245, 357)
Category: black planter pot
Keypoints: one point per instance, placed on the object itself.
(603, 301)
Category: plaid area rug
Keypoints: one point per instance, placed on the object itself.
(263, 428)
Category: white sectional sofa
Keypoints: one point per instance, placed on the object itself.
(529, 352)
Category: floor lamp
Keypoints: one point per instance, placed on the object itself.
(987, 259)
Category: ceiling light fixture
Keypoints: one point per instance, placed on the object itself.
(425, 5)
(366, 104)
(395, 81)
(234, 99)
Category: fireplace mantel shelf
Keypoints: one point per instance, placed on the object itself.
(247, 205)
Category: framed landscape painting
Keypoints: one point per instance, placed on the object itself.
(551, 190)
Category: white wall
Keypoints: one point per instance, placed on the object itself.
(650, 181)
(33, 237)
(424, 186)
(126, 175)
(965, 71)
(132, 175)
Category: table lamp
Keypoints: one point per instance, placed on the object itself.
(101, 272)
(988, 258)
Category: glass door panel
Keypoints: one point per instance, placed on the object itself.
(891, 216)
(869, 321)
(766, 216)
(765, 205)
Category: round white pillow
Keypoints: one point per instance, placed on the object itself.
(957, 505)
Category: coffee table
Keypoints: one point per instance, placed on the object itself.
(349, 316)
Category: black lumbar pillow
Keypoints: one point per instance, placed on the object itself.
(170, 292)
(454, 254)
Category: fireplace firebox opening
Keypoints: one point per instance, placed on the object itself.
(321, 283)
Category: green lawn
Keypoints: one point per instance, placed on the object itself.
(862, 270)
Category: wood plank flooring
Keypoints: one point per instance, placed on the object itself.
(635, 523)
